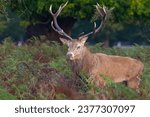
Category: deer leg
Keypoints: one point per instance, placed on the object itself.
(99, 81)
(134, 83)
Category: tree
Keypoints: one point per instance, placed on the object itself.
(125, 12)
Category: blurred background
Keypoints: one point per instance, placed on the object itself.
(25, 20)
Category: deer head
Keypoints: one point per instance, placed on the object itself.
(76, 46)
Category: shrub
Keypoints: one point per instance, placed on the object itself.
(40, 71)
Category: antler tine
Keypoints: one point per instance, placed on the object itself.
(50, 10)
(54, 23)
(61, 8)
(103, 14)
(102, 11)
(94, 28)
(61, 32)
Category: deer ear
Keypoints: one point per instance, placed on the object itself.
(83, 40)
(65, 41)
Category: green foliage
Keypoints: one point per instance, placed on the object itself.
(32, 72)
(61, 65)
(53, 50)
(124, 10)
(60, 97)
(13, 28)
(129, 22)
(119, 91)
(4, 95)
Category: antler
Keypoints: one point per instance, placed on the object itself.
(54, 23)
(102, 11)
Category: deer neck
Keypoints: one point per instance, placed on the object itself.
(80, 64)
(86, 55)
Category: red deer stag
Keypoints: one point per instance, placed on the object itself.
(117, 68)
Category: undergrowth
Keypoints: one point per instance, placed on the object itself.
(40, 71)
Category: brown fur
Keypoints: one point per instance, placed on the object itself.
(116, 68)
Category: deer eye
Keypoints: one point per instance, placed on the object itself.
(78, 47)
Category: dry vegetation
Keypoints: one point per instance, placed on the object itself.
(40, 71)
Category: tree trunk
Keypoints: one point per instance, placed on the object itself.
(106, 42)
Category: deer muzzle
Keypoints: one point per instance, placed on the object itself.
(70, 55)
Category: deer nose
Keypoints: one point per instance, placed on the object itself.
(70, 55)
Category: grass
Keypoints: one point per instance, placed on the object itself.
(4, 95)
(40, 71)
